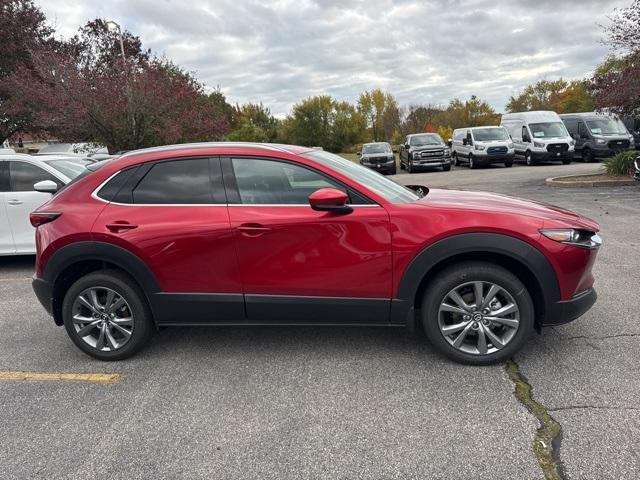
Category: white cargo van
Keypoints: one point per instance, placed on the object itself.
(539, 136)
(477, 146)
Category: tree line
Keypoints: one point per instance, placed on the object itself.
(89, 88)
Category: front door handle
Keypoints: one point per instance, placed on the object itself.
(120, 227)
(14, 202)
(253, 229)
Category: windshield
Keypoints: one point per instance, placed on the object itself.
(384, 187)
(427, 139)
(548, 130)
(489, 134)
(376, 148)
(607, 126)
(69, 167)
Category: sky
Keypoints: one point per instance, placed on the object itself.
(279, 51)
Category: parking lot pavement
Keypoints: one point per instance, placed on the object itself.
(335, 403)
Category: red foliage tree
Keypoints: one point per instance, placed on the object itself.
(616, 85)
(23, 33)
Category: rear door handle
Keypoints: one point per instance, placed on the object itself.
(253, 229)
(120, 227)
(14, 202)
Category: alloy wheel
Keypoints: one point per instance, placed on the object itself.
(102, 318)
(478, 317)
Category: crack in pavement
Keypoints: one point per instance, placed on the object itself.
(595, 407)
(548, 437)
(601, 338)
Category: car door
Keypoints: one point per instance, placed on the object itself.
(7, 246)
(301, 265)
(173, 215)
(22, 199)
(583, 135)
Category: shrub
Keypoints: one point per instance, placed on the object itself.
(621, 163)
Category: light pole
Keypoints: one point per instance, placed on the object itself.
(114, 26)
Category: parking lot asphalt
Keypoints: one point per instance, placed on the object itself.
(346, 403)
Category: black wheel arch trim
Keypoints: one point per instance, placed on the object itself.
(473, 243)
(102, 252)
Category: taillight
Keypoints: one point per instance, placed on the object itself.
(40, 218)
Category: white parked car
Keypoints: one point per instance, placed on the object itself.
(539, 136)
(26, 182)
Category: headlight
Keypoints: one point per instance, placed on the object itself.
(573, 236)
(479, 147)
(447, 152)
(416, 154)
(538, 145)
(600, 141)
(510, 145)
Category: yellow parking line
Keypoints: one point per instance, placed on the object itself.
(63, 377)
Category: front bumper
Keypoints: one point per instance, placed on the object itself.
(430, 162)
(380, 167)
(551, 156)
(503, 157)
(44, 293)
(566, 311)
(603, 151)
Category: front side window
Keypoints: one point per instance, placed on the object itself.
(24, 176)
(371, 179)
(177, 182)
(4, 177)
(548, 130)
(273, 182)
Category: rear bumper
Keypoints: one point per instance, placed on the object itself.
(44, 293)
(566, 311)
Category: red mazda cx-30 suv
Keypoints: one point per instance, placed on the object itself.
(222, 233)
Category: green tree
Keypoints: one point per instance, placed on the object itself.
(322, 121)
(381, 112)
(256, 124)
(557, 95)
(470, 113)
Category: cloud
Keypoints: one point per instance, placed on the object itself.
(280, 51)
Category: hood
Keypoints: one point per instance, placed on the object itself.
(494, 202)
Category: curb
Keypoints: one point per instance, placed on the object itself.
(565, 181)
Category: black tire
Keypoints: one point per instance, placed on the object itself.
(587, 155)
(456, 162)
(123, 285)
(471, 271)
(401, 164)
(508, 163)
(393, 171)
(472, 163)
(446, 168)
(528, 159)
(566, 161)
(409, 167)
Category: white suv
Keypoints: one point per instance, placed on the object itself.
(27, 182)
(478, 146)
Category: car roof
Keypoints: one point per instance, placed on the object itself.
(423, 133)
(375, 143)
(587, 115)
(293, 149)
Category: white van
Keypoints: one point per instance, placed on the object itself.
(539, 136)
(477, 146)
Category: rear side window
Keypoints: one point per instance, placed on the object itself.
(24, 175)
(175, 182)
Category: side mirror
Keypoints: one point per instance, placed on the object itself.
(449, 143)
(330, 200)
(421, 190)
(46, 186)
(358, 153)
(406, 145)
